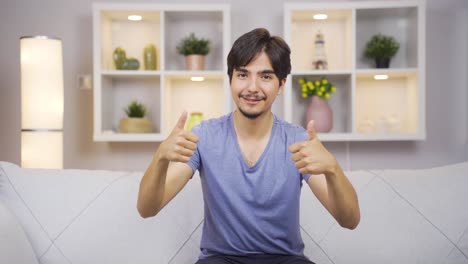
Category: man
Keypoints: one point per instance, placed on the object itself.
(251, 165)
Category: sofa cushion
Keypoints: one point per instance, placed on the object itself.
(438, 193)
(48, 201)
(111, 227)
(14, 245)
(12, 198)
(390, 231)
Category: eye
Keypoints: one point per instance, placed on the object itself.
(241, 75)
(267, 77)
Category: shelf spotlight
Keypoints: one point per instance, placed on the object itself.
(380, 77)
(134, 17)
(197, 79)
(320, 16)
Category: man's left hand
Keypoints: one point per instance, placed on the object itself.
(311, 157)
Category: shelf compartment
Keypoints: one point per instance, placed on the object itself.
(132, 36)
(400, 22)
(204, 24)
(340, 101)
(337, 32)
(181, 93)
(119, 91)
(387, 106)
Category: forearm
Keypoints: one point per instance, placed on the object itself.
(152, 186)
(343, 198)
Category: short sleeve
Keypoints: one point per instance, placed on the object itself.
(194, 161)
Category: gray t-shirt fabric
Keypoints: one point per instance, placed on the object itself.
(248, 210)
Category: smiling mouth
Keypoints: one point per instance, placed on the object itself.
(252, 98)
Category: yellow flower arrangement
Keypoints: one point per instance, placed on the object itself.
(321, 88)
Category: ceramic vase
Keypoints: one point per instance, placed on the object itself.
(195, 62)
(149, 55)
(320, 111)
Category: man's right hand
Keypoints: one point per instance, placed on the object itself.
(180, 145)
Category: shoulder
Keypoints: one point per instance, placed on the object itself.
(292, 132)
(213, 126)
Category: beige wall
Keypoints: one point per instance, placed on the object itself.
(447, 96)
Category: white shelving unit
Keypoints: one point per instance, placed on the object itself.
(167, 91)
(364, 109)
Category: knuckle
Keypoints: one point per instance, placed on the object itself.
(193, 135)
(177, 148)
(180, 133)
(178, 140)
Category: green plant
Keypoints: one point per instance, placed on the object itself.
(135, 109)
(193, 45)
(321, 88)
(381, 46)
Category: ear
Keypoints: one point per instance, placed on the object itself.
(281, 86)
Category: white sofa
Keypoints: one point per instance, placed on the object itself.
(90, 216)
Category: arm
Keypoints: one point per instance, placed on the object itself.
(328, 182)
(168, 172)
(337, 195)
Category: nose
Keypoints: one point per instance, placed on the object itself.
(253, 85)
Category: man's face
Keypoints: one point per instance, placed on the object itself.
(255, 86)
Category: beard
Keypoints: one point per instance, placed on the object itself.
(250, 115)
(255, 97)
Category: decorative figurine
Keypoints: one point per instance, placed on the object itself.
(319, 61)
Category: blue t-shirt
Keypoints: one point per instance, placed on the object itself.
(248, 210)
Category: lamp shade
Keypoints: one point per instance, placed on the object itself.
(41, 102)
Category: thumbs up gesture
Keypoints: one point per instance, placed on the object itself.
(310, 156)
(180, 145)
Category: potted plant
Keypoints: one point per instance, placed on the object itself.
(319, 110)
(381, 48)
(135, 122)
(194, 49)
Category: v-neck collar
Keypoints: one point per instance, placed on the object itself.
(238, 148)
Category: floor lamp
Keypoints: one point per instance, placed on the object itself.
(41, 102)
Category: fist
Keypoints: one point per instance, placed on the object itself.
(310, 156)
(180, 145)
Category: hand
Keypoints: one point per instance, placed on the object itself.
(311, 157)
(180, 145)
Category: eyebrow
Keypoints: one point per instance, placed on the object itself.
(260, 72)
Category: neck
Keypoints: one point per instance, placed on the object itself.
(253, 128)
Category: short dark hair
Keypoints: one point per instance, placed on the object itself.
(248, 46)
